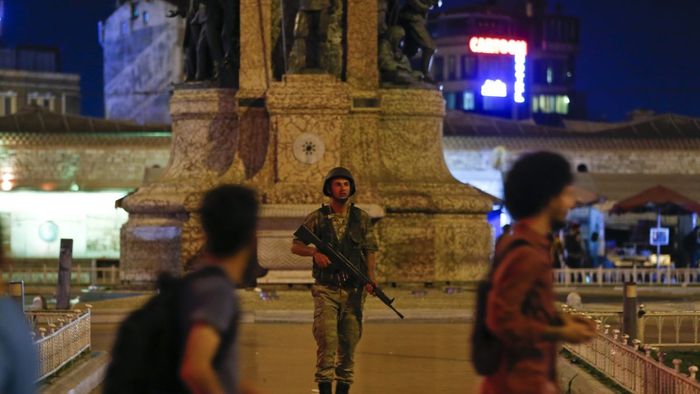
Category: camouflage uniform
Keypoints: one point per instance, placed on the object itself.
(338, 299)
(318, 37)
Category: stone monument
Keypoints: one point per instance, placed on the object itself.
(282, 136)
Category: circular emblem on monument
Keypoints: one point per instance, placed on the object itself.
(309, 148)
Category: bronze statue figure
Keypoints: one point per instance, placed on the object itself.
(318, 37)
(413, 18)
(211, 40)
(394, 66)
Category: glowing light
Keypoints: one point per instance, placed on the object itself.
(7, 183)
(498, 46)
(503, 46)
(492, 88)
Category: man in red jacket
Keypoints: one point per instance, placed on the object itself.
(520, 310)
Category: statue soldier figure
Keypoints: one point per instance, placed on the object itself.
(413, 18)
(222, 28)
(317, 39)
(338, 299)
(394, 66)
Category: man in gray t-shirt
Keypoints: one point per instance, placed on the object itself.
(210, 306)
(211, 300)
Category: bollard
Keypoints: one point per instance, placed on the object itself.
(616, 334)
(17, 292)
(629, 310)
(625, 339)
(677, 365)
(693, 371)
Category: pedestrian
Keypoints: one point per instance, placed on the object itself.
(229, 217)
(338, 298)
(520, 310)
(575, 250)
(18, 358)
(185, 339)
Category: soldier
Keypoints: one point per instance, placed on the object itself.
(313, 48)
(413, 18)
(338, 299)
(393, 63)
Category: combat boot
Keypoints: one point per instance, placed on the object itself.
(325, 388)
(342, 388)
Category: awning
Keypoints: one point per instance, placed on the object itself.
(616, 187)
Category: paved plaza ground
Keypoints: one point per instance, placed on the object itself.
(428, 353)
(406, 358)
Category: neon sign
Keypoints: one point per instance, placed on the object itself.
(502, 46)
(492, 88)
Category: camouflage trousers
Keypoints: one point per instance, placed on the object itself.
(337, 329)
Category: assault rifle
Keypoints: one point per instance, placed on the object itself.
(304, 234)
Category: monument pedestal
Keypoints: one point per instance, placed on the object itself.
(282, 137)
(163, 233)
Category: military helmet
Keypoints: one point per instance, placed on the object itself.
(396, 33)
(338, 172)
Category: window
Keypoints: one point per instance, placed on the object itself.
(452, 68)
(450, 100)
(439, 68)
(468, 101)
(549, 104)
(8, 103)
(468, 66)
(44, 100)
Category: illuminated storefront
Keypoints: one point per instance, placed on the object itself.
(33, 223)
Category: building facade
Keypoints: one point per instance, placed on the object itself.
(143, 58)
(31, 77)
(61, 175)
(516, 61)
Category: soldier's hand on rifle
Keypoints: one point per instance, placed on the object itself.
(321, 259)
(370, 287)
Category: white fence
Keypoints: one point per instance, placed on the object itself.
(618, 276)
(632, 366)
(663, 329)
(60, 337)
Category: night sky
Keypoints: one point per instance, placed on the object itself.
(633, 53)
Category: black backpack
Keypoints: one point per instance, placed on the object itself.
(486, 348)
(148, 351)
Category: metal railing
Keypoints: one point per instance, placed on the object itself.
(633, 366)
(618, 276)
(80, 275)
(60, 337)
(662, 329)
(670, 328)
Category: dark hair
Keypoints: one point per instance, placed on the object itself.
(533, 181)
(229, 216)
